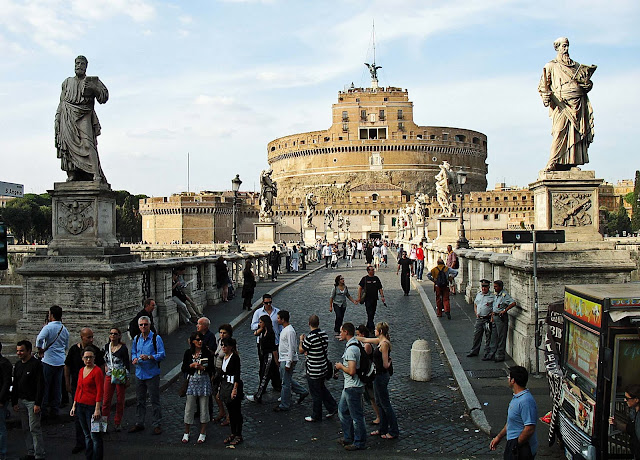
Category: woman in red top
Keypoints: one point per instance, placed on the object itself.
(87, 402)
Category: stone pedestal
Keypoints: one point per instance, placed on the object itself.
(568, 200)
(265, 235)
(83, 219)
(310, 236)
(329, 235)
(447, 230)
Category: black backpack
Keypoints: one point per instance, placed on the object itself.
(442, 280)
(367, 370)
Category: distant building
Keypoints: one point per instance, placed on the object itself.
(4, 200)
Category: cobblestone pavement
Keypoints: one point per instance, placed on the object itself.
(431, 414)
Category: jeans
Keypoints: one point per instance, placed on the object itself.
(352, 417)
(32, 428)
(93, 441)
(152, 386)
(288, 385)
(52, 387)
(340, 310)
(327, 259)
(371, 305)
(109, 389)
(388, 420)
(274, 272)
(320, 395)
(420, 269)
(4, 413)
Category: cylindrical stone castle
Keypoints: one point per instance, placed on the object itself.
(373, 139)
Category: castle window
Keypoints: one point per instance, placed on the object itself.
(340, 138)
(374, 197)
(357, 99)
(445, 136)
(345, 127)
(386, 99)
(404, 136)
(372, 133)
(479, 198)
(460, 138)
(381, 115)
(418, 136)
(485, 217)
(302, 142)
(400, 115)
(401, 126)
(363, 115)
(476, 140)
(496, 217)
(335, 160)
(272, 149)
(327, 138)
(345, 116)
(432, 137)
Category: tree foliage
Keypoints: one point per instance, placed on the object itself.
(635, 205)
(618, 222)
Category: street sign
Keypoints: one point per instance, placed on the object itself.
(9, 189)
(526, 236)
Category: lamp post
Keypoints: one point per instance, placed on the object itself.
(463, 242)
(235, 186)
(301, 210)
(425, 238)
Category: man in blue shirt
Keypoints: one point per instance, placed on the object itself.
(52, 343)
(522, 416)
(147, 350)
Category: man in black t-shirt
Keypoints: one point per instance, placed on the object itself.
(406, 265)
(72, 365)
(369, 287)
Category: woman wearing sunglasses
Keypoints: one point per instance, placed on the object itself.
(632, 427)
(116, 357)
(195, 365)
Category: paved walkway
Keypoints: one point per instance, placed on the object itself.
(434, 421)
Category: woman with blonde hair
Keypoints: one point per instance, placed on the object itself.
(388, 428)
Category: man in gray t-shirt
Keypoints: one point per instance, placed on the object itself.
(350, 406)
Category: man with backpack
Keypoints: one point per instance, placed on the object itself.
(350, 406)
(147, 350)
(452, 262)
(440, 277)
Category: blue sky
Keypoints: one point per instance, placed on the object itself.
(220, 79)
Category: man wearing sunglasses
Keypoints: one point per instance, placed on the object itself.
(632, 427)
(147, 350)
(267, 308)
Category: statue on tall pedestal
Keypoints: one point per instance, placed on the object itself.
(311, 208)
(564, 86)
(420, 206)
(268, 191)
(328, 217)
(77, 127)
(444, 179)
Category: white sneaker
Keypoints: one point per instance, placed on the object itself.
(310, 419)
(279, 399)
(251, 398)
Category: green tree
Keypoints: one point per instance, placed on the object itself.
(618, 222)
(635, 204)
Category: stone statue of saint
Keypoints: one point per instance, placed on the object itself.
(564, 86)
(268, 191)
(420, 205)
(340, 220)
(328, 217)
(373, 70)
(444, 179)
(77, 127)
(311, 207)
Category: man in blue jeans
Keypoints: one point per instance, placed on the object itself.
(146, 353)
(288, 356)
(350, 406)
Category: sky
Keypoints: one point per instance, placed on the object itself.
(198, 88)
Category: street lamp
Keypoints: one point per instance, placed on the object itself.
(301, 210)
(425, 238)
(235, 186)
(463, 242)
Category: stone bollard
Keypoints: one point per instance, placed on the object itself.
(420, 361)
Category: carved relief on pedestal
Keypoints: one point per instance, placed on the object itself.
(571, 209)
(75, 217)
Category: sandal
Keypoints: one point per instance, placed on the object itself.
(202, 438)
(225, 423)
(237, 440)
(387, 436)
(185, 438)
(229, 439)
(219, 418)
(375, 433)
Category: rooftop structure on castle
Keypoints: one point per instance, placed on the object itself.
(373, 139)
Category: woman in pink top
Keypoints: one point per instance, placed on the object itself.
(88, 401)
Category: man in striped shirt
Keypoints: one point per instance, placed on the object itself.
(315, 345)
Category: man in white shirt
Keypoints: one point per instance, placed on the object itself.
(267, 308)
(288, 355)
(327, 252)
(52, 344)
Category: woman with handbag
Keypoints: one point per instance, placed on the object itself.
(338, 302)
(231, 390)
(117, 366)
(87, 402)
(388, 428)
(196, 368)
(268, 356)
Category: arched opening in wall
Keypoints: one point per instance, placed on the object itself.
(475, 140)
(374, 197)
(460, 138)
